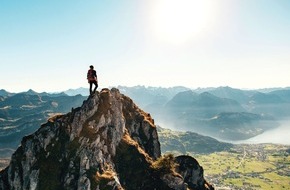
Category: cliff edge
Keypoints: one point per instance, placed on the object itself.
(107, 143)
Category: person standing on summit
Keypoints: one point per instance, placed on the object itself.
(92, 79)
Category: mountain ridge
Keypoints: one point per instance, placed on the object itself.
(103, 144)
(274, 103)
(22, 113)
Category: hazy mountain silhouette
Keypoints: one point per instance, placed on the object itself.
(145, 96)
(82, 91)
(241, 96)
(221, 115)
(208, 114)
(274, 104)
(201, 105)
(283, 94)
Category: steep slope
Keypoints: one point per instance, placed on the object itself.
(107, 143)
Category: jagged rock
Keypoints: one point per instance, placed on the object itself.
(107, 143)
(192, 173)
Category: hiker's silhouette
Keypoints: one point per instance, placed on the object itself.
(92, 79)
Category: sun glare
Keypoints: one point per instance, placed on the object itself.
(177, 21)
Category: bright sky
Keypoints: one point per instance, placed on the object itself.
(48, 45)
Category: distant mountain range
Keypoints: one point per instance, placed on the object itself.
(248, 99)
(223, 112)
(22, 113)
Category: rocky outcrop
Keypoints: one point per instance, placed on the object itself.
(192, 172)
(107, 143)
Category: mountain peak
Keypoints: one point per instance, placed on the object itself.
(4, 92)
(107, 143)
(30, 92)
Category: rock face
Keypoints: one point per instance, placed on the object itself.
(107, 143)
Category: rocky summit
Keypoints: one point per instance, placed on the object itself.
(107, 143)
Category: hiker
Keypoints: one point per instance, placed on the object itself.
(92, 79)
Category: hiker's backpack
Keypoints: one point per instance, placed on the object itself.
(90, 75)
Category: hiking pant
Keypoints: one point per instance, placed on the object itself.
(91, 86)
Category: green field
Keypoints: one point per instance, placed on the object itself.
(261, 166)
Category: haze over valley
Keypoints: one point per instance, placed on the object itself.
(278, 135)
(224, 113)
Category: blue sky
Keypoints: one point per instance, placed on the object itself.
(48, 45)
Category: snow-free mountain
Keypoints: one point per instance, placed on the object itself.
(107, 143)
(224, 112)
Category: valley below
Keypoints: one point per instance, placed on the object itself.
(236, 166)
(248, 166)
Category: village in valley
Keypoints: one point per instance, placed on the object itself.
(256, 166)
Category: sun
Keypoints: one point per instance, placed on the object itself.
(178, 21)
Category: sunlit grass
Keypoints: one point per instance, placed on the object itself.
(249, 170)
